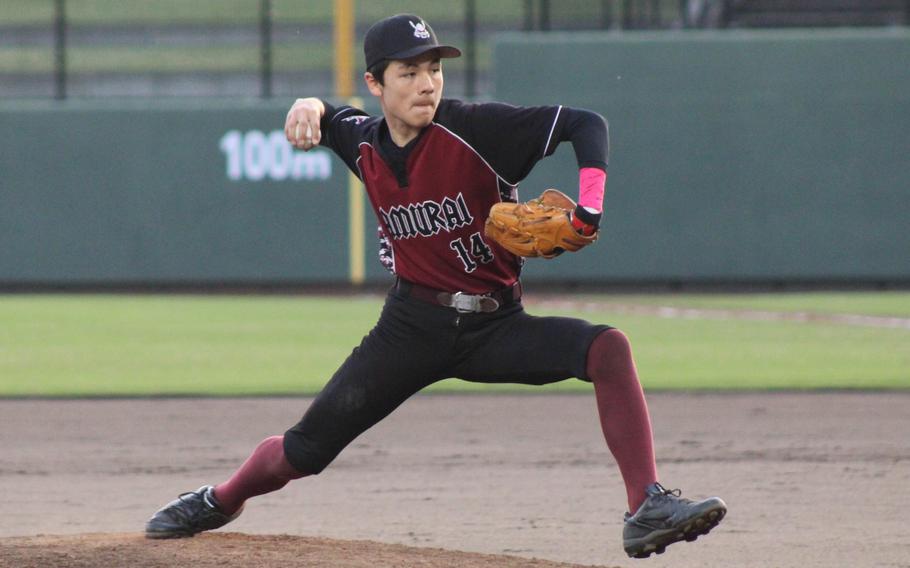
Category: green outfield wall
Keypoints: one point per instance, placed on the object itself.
(739, 156)
(137, 192)
(734, 155)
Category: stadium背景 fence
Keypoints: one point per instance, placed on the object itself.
(259, 48)
(748, 157)
(744, 155)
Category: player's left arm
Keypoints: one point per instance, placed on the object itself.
(512, 139)
(589, 134)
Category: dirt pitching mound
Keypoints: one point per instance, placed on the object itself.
(220, 550)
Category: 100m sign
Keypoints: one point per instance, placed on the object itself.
(257, 156)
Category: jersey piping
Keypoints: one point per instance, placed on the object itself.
(357, 161)
(552, 128)
(385, 243)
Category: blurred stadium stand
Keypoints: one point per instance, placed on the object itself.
(814, 13)
(281, 48)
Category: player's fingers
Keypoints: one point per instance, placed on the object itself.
(290, 123)
(303, 136)
(295, 116)
(313, 134)
(307, 135)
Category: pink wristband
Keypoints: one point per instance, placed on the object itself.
(591, 184)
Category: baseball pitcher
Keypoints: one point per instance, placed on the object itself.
(442, 177)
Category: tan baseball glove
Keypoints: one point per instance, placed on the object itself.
(541, 227)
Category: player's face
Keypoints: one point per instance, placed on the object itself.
(411, 93)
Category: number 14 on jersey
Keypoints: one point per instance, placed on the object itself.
(472, 250)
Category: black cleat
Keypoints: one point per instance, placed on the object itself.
(665, 518)
(189, 514)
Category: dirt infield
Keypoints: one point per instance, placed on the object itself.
(811, 480)
(220, 550)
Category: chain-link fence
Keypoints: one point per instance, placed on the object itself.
(266, 48)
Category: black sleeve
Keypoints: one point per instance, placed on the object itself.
(590, 137)
(513, 139)
(342, 131)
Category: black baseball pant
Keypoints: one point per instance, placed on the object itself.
(416, 343)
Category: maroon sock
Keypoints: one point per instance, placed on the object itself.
(266, 470)
(623, 412)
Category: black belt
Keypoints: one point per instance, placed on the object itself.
(460, 301)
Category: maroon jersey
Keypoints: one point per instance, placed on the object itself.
(432, 196)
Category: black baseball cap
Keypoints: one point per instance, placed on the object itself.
(401, 37)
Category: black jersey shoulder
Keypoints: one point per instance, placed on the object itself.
(344, 129)
(511, 139)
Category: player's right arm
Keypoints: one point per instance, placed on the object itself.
(313, 122)
(301, 127)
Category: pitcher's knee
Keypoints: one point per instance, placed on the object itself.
(306, 453)
(271, 444)
(614, 340)
(610, 355)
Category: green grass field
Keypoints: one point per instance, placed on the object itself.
(895, 304)
(81, 345)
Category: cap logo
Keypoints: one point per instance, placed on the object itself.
(420, 30)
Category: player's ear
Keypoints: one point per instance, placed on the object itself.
(372, 84)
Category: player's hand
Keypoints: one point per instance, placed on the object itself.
(301, 127)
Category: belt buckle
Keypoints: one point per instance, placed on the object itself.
(465, 303)
(468, 303)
